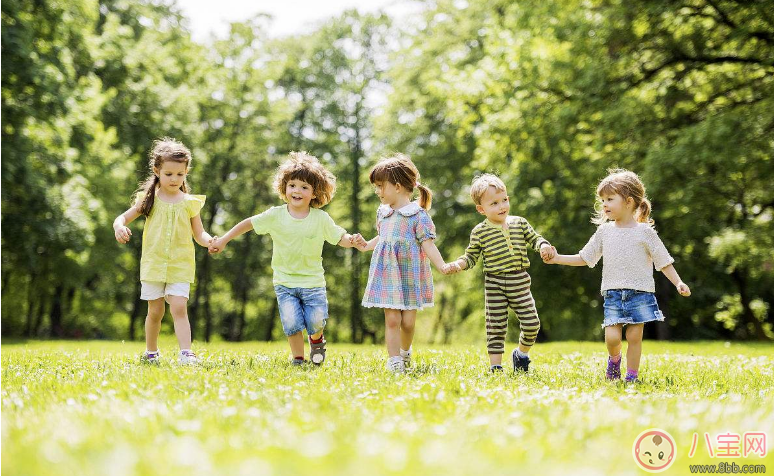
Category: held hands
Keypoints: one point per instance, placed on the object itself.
(451, 268)
(548, 253)
(358, 241)
(123, 233)
(216, 245)
(683, 289)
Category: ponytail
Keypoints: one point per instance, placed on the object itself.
(148, 194)
(425, 196)
(643, 212)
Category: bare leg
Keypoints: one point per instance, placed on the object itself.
(613, 339)
(296, 342)
(316, 336)
(495, 359)
(178, 306)
(634, 347)
(407, 324)
(392, 334)
(153, 323)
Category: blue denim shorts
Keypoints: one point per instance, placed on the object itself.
(628, 306)
(302, 308)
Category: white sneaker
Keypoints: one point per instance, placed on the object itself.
(406, 356)
(187, 357)
(395, 364)
(150, 357)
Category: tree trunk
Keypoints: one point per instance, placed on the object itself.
(267, 335)
(40, 312)
(242, 285)
(438, 322)
(30, 307)
(6, 280)
(136, 305)
(748, 317)
(663, 296)
(356, 310)
(55, 314)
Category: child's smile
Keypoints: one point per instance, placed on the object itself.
(299, 193)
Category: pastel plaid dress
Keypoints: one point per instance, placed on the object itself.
(400, 275)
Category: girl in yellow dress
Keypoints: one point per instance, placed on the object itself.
(167, 265)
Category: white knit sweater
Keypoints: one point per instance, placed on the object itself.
(630, 254)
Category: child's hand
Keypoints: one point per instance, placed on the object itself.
(451, 268)
(216, 245)
(683, 289)
(358, 241)
(548, 253)
(123, 234)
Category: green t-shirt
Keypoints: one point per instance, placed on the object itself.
(297, 255)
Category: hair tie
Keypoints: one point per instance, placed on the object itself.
(417, 184)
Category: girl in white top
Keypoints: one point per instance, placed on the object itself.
(630, 247)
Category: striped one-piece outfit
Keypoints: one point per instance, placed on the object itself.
(506, 281)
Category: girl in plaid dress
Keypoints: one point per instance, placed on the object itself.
(399, 279)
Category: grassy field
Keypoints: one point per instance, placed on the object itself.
(91, 408)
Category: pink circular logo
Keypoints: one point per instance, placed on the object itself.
(654, 450)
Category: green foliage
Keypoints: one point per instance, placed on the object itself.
(547, 94)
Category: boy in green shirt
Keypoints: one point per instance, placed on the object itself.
(298, 230)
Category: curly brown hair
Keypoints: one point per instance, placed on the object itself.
(306, 167)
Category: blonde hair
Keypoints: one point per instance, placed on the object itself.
(305, 167)
(482, 183)
(398, 169)
(628, 185)
(164, 150)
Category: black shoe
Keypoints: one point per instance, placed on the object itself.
(496, 369)
(520, 364)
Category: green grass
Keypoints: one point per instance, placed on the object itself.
(90, 408)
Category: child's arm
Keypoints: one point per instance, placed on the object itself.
(533, 238)
(455, 266)
(567, 260)
(123, 233)
(219, 244)
(351, 241)
(369, 245)
(671, 273)
(467, 260)
(435, 256)
(663, 261)
(199, 235)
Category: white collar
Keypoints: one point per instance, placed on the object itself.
(411, 209)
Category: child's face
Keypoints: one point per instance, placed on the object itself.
(495, 205)
(299, 194)
(388, 193)
(171, 175)
(615, 207)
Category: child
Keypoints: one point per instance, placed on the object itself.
(298, 230)
(631, 248)
(167, 265)
(502, 241)
(399, 278)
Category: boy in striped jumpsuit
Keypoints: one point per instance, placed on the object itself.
(501, 240)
